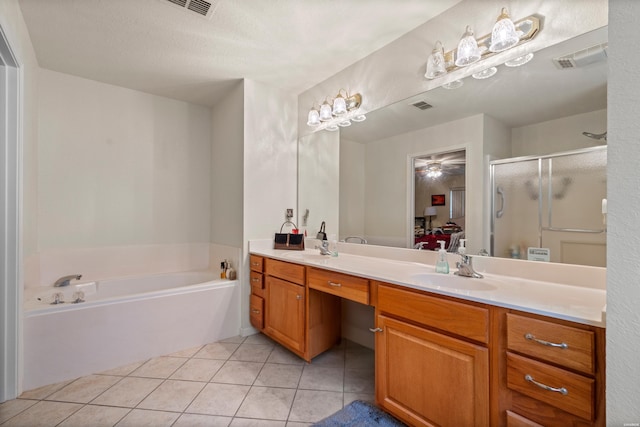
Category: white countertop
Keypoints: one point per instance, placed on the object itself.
(578, 304)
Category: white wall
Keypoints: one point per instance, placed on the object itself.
(623, 240)
(352, 185)
(119, 169)
(227, 151)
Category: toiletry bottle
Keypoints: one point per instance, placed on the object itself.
(333, 245)
(223, 269)
(442, 265)
(230, 272)
(462, 249)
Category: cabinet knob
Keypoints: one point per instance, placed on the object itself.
(374, 330)
(562, 390)
(531, 337)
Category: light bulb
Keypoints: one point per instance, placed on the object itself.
(325, 111)
(313, 118)
(339, 106)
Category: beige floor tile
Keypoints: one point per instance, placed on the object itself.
(85, 389)
(267, 403)
(322, 378)
(237, 339)
(11, 408)
(350, 397)
(282, 355)
(128, 392)
(189, 352)
(199, 420)
(359, 380)
(361, 359)
(247, 422)
(95, 416)
(217, 350)
(279, 375)
(172, 395)
(297, 424)
(237, 372)
(159, 367)
(252, 352)
(219, 399)
(333, 358)
(311, 406)
(43, 414)
(198, 370)
(144, 418)
(259, 339)
(123, 371)
(44, 391)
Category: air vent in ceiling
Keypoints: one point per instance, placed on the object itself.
(203, 8)
(582, 57)
(422, 105)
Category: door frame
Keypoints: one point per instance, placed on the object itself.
(10, 221)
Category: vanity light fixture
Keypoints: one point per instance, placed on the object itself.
(336, 112)
(468, 50)
(485, 74)
(505, 35)
(434, 170)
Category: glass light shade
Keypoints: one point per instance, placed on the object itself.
(453, 85)
(325, 111)
(468, 51)
(344, 123)
(520, 60)
(504, 33)
(436, 63)
(332, 128)
(339, 106)
(359, 118)
(314, 118)
(485, 74)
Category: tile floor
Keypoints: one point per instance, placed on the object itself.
(236, 382)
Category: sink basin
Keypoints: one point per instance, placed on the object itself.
(450, 281)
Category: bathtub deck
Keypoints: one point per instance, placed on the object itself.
(224, 383)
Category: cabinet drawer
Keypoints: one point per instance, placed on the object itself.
(285, 270)
(257, 283)
(458, 318)
(563, 345)
(342, 285)
(578, 399)
(255, 263)
(515, 420)
(256, 316)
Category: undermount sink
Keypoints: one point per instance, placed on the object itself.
(451, 281)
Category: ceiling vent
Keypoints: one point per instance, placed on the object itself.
(203, 8)
(422, 105)
(582, 57)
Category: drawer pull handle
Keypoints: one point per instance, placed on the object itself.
(255, 280)
(253, 310)
(374, 330)
(337, 285)
(255, 264)
(298, 297)
(563, 391)
(562, 345)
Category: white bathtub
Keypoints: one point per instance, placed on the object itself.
(124, 321)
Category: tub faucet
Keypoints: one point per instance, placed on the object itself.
(465, 267)
(65, 280)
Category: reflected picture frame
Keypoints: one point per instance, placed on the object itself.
(438, 200)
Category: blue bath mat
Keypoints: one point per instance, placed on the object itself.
(359, 414)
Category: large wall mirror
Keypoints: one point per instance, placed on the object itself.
(537, 109)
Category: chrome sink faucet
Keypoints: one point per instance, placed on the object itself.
(65, 280)
(465, 267)
(324, 249)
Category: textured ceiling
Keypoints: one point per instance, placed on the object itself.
(155, 47)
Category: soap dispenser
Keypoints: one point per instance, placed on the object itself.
(462, 249)
(442, 265)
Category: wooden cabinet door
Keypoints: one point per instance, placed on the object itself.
(284, 312)
(426, 378)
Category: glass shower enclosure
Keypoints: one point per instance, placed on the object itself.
(551, 207)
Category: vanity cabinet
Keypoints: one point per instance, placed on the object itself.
(432, 358)
(554, 372)
(256, 301)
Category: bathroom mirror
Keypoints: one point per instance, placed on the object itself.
(535, 109)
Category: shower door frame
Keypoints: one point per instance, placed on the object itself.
(539, 158)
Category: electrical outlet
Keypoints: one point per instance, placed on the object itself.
(289, 213)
